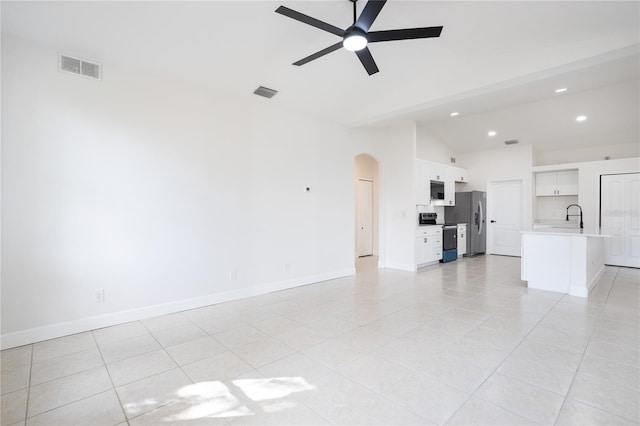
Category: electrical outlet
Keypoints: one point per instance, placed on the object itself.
(100, 295)
(233, 276)
(287, 267)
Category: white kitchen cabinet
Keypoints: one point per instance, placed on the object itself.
(436, 171)
(428, 245)
(557, 183)
(460, 175)
(442, 173)
(427, 171)
(567, 182)
(462, 240)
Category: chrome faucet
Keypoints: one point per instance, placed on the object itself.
(578, 206)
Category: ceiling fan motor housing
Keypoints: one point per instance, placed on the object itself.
(355, 38)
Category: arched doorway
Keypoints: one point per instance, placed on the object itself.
(366, 206)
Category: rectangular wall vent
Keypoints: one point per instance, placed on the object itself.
(80, 67)
(265, 92)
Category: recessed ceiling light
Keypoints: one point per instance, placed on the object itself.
(560, 90)
(492, 133)
(581, 118)
(454, 114)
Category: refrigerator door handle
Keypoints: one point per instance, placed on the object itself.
(481, 218)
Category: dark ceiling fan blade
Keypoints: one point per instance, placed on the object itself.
(319, 54)
(405, 34)
(369, 14)
(367, 60)
(309, 20)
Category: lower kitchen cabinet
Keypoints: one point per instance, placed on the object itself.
(428, 245)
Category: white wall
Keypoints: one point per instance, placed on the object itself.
(394, 148)
(508, 163)
(428, 147)
(593, 153)
(157, 192)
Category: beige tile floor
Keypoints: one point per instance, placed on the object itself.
(461, 343)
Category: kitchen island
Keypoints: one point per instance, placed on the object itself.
(565, 260)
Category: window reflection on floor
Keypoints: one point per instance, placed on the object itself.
(217, 399)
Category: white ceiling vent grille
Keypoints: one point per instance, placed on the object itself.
(80, 67)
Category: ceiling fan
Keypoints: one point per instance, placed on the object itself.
(356, 37)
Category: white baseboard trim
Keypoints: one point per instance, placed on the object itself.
(580, 291)
(38, 334)
(400, 266)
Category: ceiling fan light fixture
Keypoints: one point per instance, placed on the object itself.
(354, 39)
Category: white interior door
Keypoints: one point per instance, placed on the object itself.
(620, 218)
(365, 218)
(504, 221)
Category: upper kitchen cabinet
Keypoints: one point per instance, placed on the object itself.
(435, 183)
(436, 171)
(459, 175)
(557, 183)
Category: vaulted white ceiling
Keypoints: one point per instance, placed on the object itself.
(496, 62)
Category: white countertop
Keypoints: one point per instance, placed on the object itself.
(587, 232)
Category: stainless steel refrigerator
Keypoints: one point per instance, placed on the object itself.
(470, 208)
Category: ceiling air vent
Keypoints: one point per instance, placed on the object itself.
(265, 92)
(511, 142)
(80, 67)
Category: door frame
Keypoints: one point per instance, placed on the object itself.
(599, 222)
(490, 207)
(371, 213)
(368, 167)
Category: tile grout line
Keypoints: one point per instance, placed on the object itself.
(26, 408)
(584, 353)
(178, 366)
(113, 386)
(65, 375)
(381, 394)
(472, 394)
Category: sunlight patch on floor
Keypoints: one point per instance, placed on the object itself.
(276, 387)
(213, 399)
